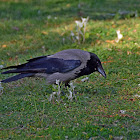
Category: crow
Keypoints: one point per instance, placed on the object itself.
(64, 66)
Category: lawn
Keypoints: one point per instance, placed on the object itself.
(103, 108)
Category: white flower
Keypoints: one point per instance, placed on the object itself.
(49, 16)
(119, 36)
(79, 24)
(72, 86)
(84, 79)
(72, 33)
(77, 37)
(50, 98)
(137, 95)
(57, 82)
(71, 92)
(85, 20)
(54, 86)
(53, 93)
(70, 96)
(66, 137)
(122, 111)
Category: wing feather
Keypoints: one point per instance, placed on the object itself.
(45, 65)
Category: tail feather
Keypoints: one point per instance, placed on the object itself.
(25, 71)
(9, 71)
(17, 67)
(17, 77)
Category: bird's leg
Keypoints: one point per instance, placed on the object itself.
(65, 87)
(67, 84)
(63, 93)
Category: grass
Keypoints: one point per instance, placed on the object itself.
(26, 32)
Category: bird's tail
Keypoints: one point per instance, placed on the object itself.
(17, 77)
(25, 71)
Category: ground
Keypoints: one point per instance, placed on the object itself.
(103, 108)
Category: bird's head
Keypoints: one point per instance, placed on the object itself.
(100, 69)
(97, 64)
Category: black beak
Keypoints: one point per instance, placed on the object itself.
(101, 70)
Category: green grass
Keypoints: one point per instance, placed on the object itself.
(25, 32)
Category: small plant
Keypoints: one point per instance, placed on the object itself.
(80, 31)
(57, 92)
(55, 96)
(119, 36)
(58, 87)
(84, 21)
(71, 92)
(52, 96)
(122, 111)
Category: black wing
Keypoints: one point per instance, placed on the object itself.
(45, 65)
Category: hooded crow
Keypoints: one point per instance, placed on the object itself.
(64, 66)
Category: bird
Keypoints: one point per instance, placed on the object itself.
(64, 66)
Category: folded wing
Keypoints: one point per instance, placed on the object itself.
(41, 65)
(45, 65)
